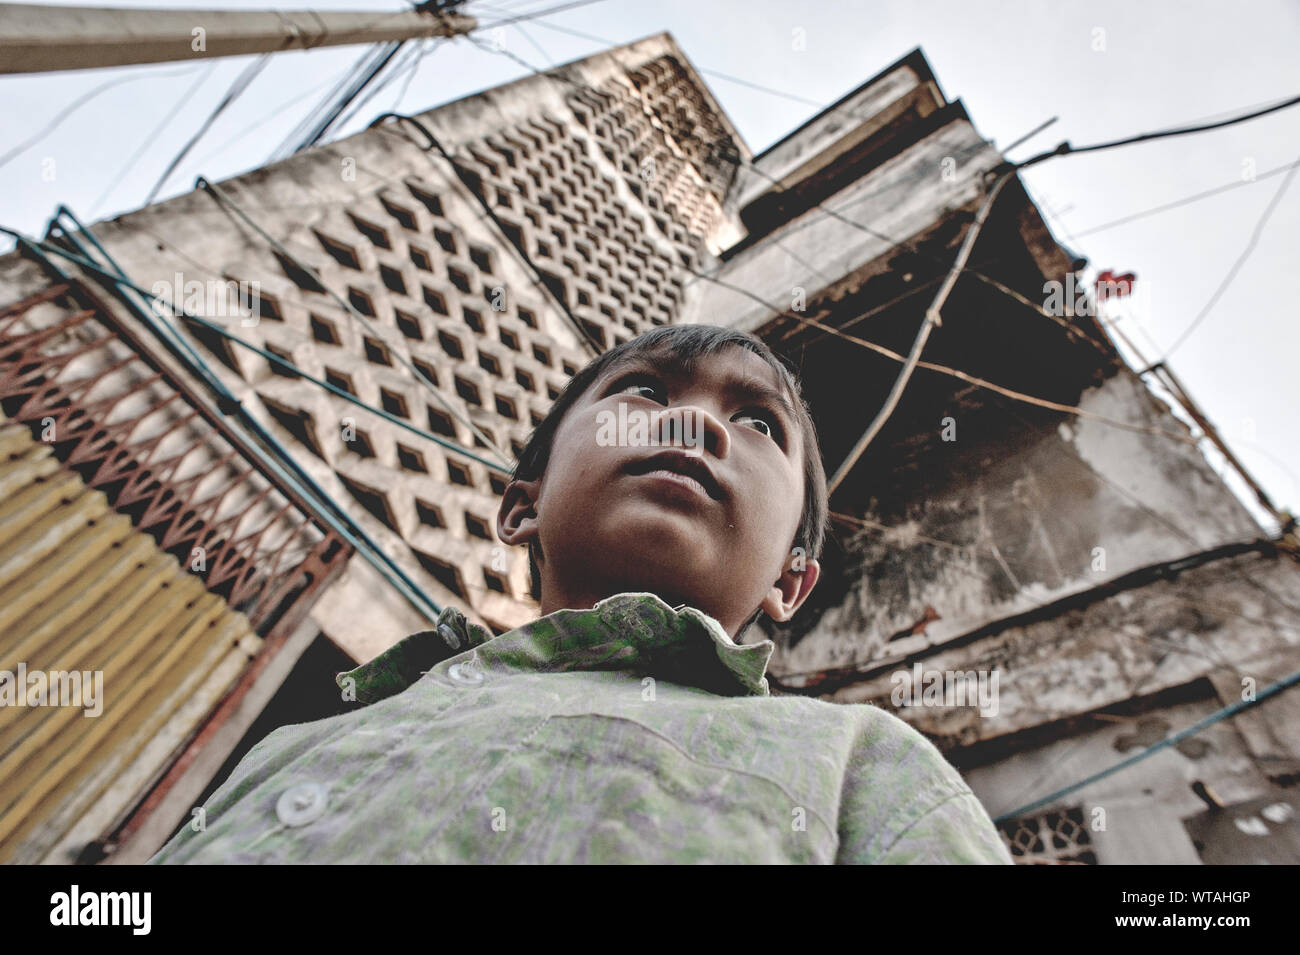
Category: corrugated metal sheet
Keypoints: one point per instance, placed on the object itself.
(82, 590)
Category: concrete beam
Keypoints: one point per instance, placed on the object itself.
(35, 38)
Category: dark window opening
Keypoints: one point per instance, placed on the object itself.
(444, 573)
(468, 390)
(404, 216)
(458, 278)
(428, 514)
(377, 352)
(324, 331)
(481, 258)
(340, 381)
(374, 233)
(392, 279)
(421, 259)
(409, 326)
(476, 527)
(372, 500)
(450, 345)
(393, 403)
(277, 368)
(361, 302)
(410, 459)
(426, 371)
(427, 199)
(435, 301)
(440, 423)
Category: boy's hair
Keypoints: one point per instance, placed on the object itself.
(687, 342)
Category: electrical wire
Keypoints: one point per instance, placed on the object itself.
(261, 121)
(294, 477)
(931, 321)
(149, 142)
(931, 366)
(1236, 266)
(871, 669)
(560, 8)
(1219, 715)
(1014, 167)
(536, 46)
(312, 118)
(461, 174)
(283, 363)
(1062, 149)
(383, 55)
(412, 57)
(68, 110)
(217, 193)
(1065, 149)
(241, 83)
(1187, 200)
(425, 48)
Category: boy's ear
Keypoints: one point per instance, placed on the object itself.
(517, 515)
(792, 588)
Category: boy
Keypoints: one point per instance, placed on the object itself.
(674, 492)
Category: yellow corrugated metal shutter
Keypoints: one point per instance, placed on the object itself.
(81, 590)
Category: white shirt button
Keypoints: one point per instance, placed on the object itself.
(301, 804)
(449, 636)
(464, 673)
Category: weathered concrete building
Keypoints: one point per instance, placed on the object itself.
(445, 275)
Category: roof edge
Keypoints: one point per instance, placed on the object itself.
(915, 59)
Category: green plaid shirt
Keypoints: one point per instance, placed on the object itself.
(630, 732)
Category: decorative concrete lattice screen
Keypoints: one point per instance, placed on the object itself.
(611, 202)
(1059, 837)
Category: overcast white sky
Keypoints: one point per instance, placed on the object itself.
(1014, 63)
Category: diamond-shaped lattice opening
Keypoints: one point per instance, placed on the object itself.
(341, 252)
(392, 279)
(427, 199)
(404, 216)
(410, 459)
(443, 572)
(393, 403)
(429, 514)
(372, 499)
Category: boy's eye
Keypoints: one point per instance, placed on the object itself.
(771, 423)
(638, 381)
(768, 420)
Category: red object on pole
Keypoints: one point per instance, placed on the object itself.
(1109, 285)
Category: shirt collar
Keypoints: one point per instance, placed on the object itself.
(628, 631)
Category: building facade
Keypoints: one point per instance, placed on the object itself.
(380, 322)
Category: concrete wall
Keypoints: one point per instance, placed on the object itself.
(1044, 514)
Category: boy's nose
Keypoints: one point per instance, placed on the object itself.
(692, 426)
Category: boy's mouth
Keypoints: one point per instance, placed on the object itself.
(680, 462)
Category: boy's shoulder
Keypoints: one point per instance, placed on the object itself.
(930, 813)
(406, 661)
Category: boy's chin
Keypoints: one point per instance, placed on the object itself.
(662, 548)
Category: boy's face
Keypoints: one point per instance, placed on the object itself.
(604, 529)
